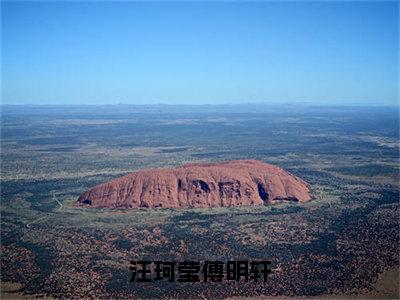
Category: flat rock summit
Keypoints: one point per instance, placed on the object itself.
(223, 184)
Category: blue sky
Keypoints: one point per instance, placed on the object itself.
(199, 52)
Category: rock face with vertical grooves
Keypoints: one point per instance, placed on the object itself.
(223, 184)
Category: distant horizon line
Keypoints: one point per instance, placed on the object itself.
(303, 103)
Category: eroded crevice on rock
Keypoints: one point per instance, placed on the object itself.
(87, 202)
(262, 192)
(179, 184)
(200, 184)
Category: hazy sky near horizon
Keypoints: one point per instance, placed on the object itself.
(199, 52)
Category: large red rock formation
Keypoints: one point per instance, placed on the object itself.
(230, 183)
